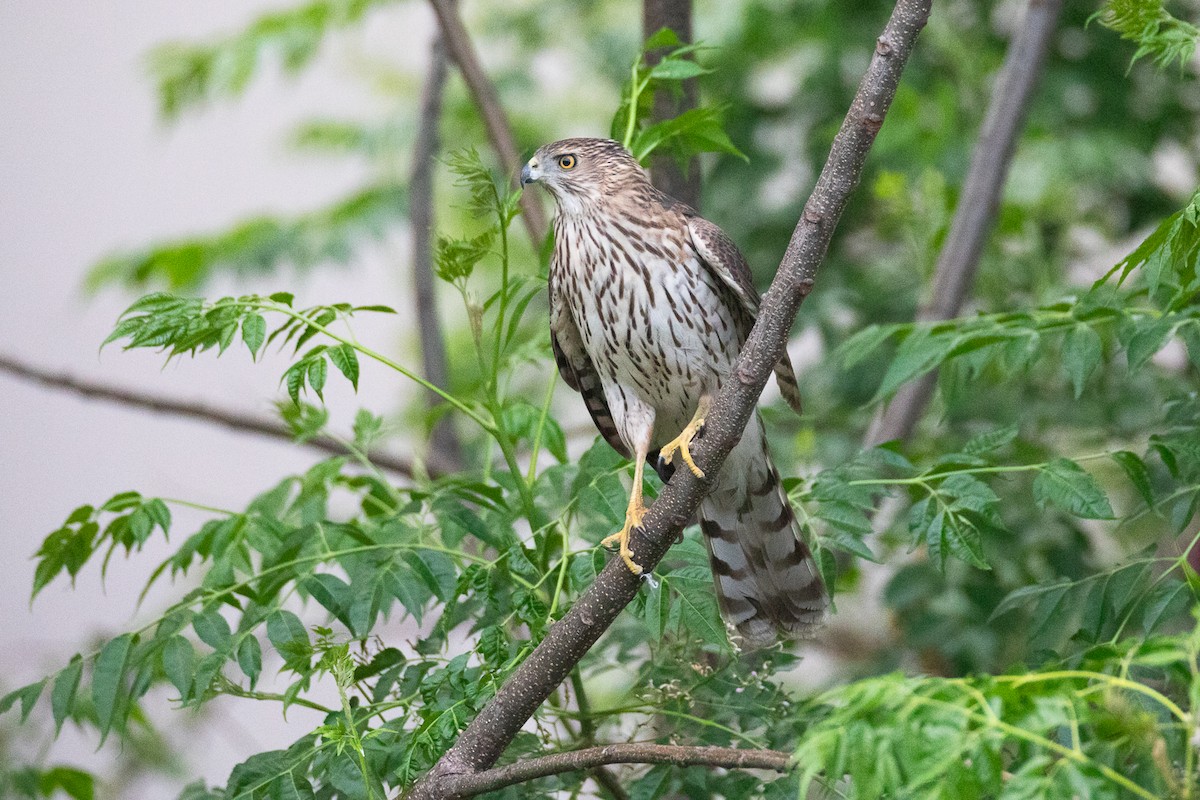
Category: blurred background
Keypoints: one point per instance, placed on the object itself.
(89, 168)
(293, 177)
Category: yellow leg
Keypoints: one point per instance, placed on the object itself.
(633, 519)
(684, 439)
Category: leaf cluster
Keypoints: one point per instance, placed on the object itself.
(1108, 726)
(261, 245)
(182, 325)
(1165, 38)
(697, 130)
(189, 74)
(1140, 320)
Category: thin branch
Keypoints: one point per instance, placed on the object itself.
(587, 735)
(234, 420)
(442, 440)
(568, 640)
(977, 207)
(591, 757)
(483, 92)
(682, 184)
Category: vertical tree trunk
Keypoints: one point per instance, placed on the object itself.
(443, 441)
(682, 184)
(978, 205)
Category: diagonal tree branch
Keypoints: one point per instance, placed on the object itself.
(569, 639)
(442, 440)
(591, 757)
(458, 43)
(234, 420)
(977, 207)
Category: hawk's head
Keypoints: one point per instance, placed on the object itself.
(577, 171)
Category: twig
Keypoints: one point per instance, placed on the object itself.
(682, 184)
(569, 639)
(442, 440)
(591, 757)
(483, 92)
(234, 420)
(976, 212)
(587, 736)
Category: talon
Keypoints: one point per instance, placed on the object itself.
(682, 443)
(633, 519)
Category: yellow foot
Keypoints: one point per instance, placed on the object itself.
(633, 519)
(682, 443)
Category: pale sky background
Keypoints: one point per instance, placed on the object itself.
(87, 168)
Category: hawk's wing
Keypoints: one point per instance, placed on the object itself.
(721, 255)
(577, 369)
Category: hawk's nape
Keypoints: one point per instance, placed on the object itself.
(650, 305)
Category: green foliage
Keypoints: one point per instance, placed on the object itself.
(178, 325)
(698, 130)
(33, 783)
(131, 521)
(189, 74)
(1141, 320)
(1102, 726)
(261, 245)
(1147, 23)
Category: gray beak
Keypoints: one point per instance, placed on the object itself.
(526, 175)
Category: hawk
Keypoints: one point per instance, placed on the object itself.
(650, 305)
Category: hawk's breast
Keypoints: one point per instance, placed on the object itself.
(654, 320)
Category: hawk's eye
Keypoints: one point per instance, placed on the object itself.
(566, 162)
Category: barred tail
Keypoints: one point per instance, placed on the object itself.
(767, 581)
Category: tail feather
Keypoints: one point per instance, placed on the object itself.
(767, 581)
(785, 377)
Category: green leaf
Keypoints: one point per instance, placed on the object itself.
(290, 639)
(254, 332)
(332, 593)
(1135, 470)
(919, 353)
(994, 439)
(1081, 354)
(697, 608)
(1148, 340)
(294, 377)
(455, 259)
(28, 695)
(677, 69)
(1167, 600)
(1065, 485)
(178, 662)
(663, 37)
(657, 609)
(346, 360)
(213, 630)
(691, 133)
(108, 680)
(249, 657)
(317, 370)
(75, 783)
(864, 343)
(1026, 596)
(62, 696)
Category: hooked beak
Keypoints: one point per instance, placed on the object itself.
(530, 172)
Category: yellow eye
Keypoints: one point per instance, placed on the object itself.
(566, 162)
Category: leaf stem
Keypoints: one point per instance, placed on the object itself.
(267, 305)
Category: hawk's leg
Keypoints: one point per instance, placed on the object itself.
(639, 421)
(683, 441)
(635, 512)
